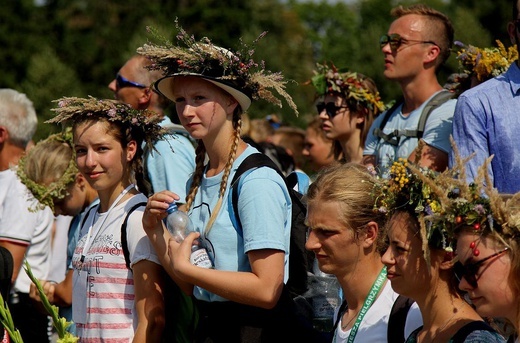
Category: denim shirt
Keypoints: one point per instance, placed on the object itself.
(487, 122)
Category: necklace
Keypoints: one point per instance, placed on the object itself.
(442, 327)
(345, 325)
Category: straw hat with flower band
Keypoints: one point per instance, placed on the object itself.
(235, 72)
(445, 203)
(47, 193)
(350, 85)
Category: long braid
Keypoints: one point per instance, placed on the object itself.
(237, 126)
(199, 171)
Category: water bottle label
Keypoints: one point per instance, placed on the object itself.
(324, 306)
(200, 258)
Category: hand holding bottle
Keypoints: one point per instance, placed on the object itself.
(179, 225)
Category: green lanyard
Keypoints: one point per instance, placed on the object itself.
(371, 297)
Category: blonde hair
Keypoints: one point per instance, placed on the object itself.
(438, 27)
(199, 169)
(48, 161)
(351, 186)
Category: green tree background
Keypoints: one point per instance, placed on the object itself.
(58, 48)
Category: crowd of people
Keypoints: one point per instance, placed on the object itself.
(412, 207)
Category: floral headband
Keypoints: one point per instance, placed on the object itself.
(73, 110)
(445, 203)
(201, 58)
(47, 194)
(485, 63)
(329, 79)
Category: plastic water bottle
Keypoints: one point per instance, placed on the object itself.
(325, 298)
(179, 224)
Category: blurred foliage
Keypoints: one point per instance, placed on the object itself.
(58, 48)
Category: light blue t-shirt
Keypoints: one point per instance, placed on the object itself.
(172, 164)
(437, 133)
(487, 122)
(264, 207)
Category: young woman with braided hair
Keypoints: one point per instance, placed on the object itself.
(242, 297)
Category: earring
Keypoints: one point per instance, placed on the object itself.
(472, 246)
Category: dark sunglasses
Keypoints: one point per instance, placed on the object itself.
(470, 271)
(121, 82)
(395, 40)
(330, 108)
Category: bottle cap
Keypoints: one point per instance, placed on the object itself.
(172, 207)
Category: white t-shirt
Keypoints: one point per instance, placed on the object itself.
(21, 224)
(103, 287)
(374, 326)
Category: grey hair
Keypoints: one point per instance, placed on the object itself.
(17, 114)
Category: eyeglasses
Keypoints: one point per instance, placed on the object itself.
(121, 82)
(470, 271)
(395, 40)
(330, 108)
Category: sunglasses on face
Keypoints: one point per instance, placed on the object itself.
(470, 271)
(330, 108)
(121, 82)
(395, 40)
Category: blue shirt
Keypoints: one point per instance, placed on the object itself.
(436, 133)
(265, 210)
(487, 122)
(172, 164)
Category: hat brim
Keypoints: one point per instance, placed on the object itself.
(165, 84)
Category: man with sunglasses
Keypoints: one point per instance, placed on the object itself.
(486, 122)
(418, 42)
(174, 161)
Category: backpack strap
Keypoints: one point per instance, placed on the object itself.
(463, 332)
(437, 100)
(397, 319)
(251, 162)
(86, 216)
(392, 138)
(124, 240)
(341, 310)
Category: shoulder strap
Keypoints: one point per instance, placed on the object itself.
(341, 310)
(391, 138)
(378, 131)
(438, 99)
(397, 319)
(124, 240)
(252, 161)
(463, 332)
(86, 216)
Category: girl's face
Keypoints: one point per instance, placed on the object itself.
(317, 150)
(407, 269)
(493, 295)
(343, 124)
(333, 242)
(100, 157)
(203, 108)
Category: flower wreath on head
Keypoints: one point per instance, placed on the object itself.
(330, 80)
(485, 63)
(47, 194)
(444, 202)
(206, 59)
(71, 110)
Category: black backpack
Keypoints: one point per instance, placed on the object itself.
(393, 137)
(300, 260)
(180, 311)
